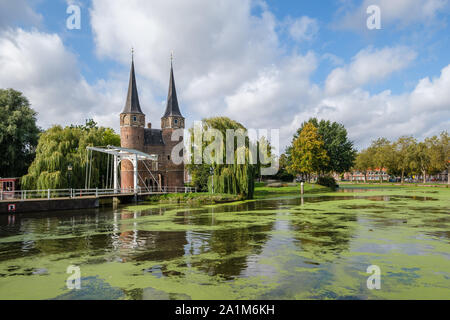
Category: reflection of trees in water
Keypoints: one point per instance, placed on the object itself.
(138, 245)
(53, 233)
(323, 236)
(233, 246)
(153, 294)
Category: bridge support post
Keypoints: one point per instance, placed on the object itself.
(116, 164)
(135, 165)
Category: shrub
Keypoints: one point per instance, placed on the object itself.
(327, 181)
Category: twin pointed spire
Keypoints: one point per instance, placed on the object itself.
(132, 104)
(172, 108)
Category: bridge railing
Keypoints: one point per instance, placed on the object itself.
(78, 193)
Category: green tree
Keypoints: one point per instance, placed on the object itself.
(431, 156)
(228, 178)
(19, 133)
(381, 151)
(404, 149)
(339, 148)
(421, 162)
(364, 162)
(308, 152)
(60, 147)
(445, 145)
(283, 171)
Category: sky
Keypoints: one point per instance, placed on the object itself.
(268, 64)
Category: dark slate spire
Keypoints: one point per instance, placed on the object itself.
(172, 108)
(132, 105)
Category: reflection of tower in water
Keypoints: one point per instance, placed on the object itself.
(132, 244)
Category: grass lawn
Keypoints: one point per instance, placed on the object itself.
(390, 184)
(262, 191)
(200, 198)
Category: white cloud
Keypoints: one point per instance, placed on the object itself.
(303, 29)
(369, 66)
(17, 11)
(399, 12)
(48, 74)
(218, 46)
(227, 62)
(422, 112)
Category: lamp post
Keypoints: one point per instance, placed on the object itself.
(69, 174)
(211, 172)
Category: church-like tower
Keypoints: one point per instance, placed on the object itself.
(132, 123)
(134, 135)
(172, 118)
(170, 121)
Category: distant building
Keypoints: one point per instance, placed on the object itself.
(374, 175)
(134, 135)
(7, 187)
(371, 175)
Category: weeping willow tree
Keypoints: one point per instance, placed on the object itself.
(58, 148)
(232, 177)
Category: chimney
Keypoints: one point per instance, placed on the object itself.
(149, 125)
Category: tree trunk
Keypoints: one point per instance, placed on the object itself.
(424, 176)
(448, 175)
(365, 177)
(403, 176)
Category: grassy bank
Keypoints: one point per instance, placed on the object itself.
(390, 184)
(261, 191)
(197, 198)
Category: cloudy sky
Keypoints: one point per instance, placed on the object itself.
(268, 64)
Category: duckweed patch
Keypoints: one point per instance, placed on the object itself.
(277, 247)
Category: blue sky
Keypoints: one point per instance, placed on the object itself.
(268, 64)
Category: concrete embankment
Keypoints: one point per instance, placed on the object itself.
(38, 205)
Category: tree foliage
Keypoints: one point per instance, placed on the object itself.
(283, 173)
(228, 178)
(60, 147)
(19, 133)
(308, 152)
(381, 151)
(363, 162)
(339, 148)
(406, 156)
(402, 157)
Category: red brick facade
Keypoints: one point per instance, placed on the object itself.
(134, 135)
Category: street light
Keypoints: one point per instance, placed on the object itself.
(211, 172)
(69, 173)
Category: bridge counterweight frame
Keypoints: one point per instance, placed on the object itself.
(134, 156)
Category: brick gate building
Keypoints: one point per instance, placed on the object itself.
(134, 135)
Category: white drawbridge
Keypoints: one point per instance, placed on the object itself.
(119, 154)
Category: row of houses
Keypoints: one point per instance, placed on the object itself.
(377, 174)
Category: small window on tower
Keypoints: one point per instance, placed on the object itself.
(134, 119)
(176, 121)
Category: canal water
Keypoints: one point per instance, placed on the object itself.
(284, 247)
